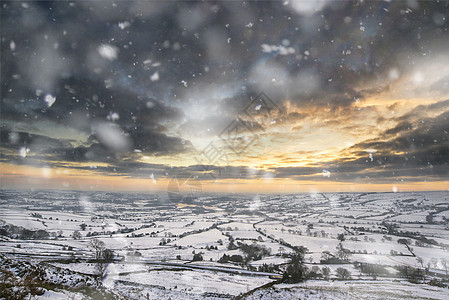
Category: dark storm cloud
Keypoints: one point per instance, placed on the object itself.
(100, 59)
(381, 170)
(93, 153)
(41, 150)
(202, 172)
(411, 150)
(424, 142)
(356, 43)
(79, 29)
(403, 152)
(417, 112)
(399, 128)
(10, 139)
(148, 142)
(62, 52)
(426, 133)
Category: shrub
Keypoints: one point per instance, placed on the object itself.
(343, 274)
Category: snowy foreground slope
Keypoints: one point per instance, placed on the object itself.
(345, 290)
(53, 245)
(310, 291)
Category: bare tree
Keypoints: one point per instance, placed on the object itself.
(103, 256)
(343, 274)
(434, 261)
(444, 262)
(98, 247)
(326, 272)
(342, 252)
(420, 261)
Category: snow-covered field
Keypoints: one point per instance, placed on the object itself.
(168, 250)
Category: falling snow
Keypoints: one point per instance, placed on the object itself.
(124, 25)
(49, 100)
(155, 76)
(107, 51)
(23, 152)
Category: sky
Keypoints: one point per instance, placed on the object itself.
(227, 96)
